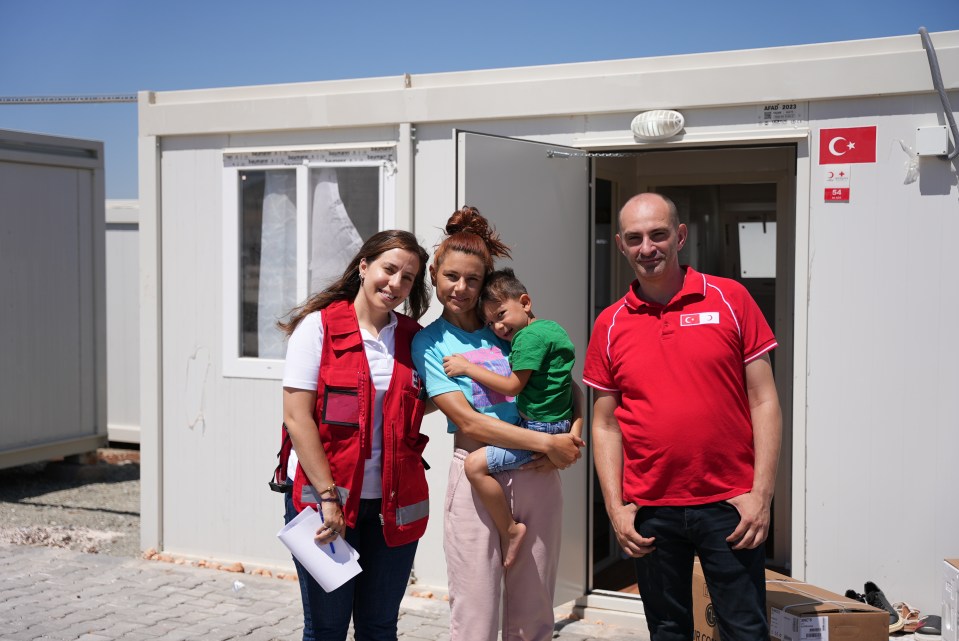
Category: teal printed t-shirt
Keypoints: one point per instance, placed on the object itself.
(483, 347)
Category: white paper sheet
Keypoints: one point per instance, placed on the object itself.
(331, 565)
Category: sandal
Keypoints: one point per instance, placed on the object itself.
(910, 616)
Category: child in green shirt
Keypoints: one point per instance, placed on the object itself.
(541, 358)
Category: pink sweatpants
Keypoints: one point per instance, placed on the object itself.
(475, 565)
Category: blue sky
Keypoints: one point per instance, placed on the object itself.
(69, 47)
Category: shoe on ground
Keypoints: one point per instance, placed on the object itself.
(855, 596)
(877, 599)
(931, 625)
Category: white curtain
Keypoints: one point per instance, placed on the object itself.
(334, 239)
(277, 282)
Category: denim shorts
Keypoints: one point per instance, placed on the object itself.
(501, 459)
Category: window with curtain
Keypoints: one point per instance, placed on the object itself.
(344, 213)
(267, 258)
(295, 229)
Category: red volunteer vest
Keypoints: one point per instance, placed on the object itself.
(344, 418)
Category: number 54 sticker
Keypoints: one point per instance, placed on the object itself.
(836, 183)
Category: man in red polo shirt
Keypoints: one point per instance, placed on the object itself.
(686, 429)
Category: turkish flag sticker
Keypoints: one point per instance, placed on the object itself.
(847, 145)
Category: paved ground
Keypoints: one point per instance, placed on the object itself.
(53, 515)
(51, 588)
(90, 507)
(50, 594)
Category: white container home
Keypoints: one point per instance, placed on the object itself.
(123, 320)
(52, 291)
(814, 174)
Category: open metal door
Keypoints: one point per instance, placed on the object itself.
(539, 202)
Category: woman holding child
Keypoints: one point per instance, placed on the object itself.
(478, 416)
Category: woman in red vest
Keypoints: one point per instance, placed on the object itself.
(352, 403)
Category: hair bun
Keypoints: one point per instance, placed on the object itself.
(468, 223)
(468, 219)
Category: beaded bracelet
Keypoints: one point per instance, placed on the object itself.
(333, 499)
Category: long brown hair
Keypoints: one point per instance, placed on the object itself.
(347, 286)
(469, 232)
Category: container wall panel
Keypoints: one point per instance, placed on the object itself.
(51, 298)
(882, 368)
(123, 324)
(41, 290)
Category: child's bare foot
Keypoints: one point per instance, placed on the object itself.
(517, 532)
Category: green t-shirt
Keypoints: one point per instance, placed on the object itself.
(544, 347)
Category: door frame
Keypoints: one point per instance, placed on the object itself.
(792, 269)
(785, 300)
(794, 261)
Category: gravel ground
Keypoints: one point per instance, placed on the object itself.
(89, 507)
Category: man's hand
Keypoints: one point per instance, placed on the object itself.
(564, 449)
(754, 521)
(623, 520)
(455, 365)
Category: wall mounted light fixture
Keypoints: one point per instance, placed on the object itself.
(657, 124)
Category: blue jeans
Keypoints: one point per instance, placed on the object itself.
(735, 578)
(501, 459)
(372, 597)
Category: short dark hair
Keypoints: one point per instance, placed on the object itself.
(501, 285)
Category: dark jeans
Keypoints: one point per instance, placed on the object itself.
(735, 578)
(372, 597)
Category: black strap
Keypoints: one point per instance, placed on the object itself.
(279, 481)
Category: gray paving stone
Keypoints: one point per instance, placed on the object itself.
(428, 632)
(78, 616)
(48, 594)
(149, 633)
(80, 629)
(19, 635)
(176, 635)
(263, 634)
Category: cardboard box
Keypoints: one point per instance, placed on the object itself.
(798, 611)
(704, 617)
(950, 600)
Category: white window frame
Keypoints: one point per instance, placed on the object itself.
(302, 159)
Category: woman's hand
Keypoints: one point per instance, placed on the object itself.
(298, 416)
(539, 463)
(542, 462)
(564, 449)
(455, 365)
(333, 524)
